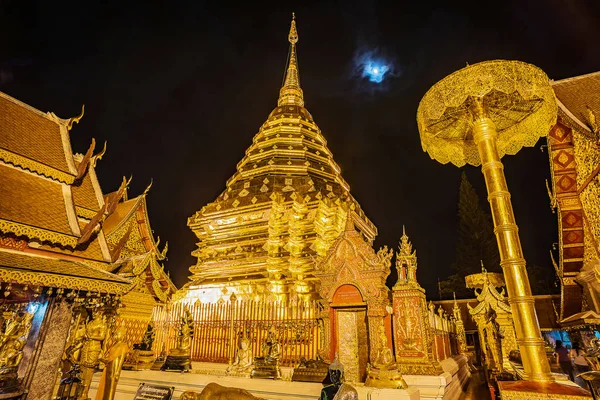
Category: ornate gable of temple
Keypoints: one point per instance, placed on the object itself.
(351, 260)
(282, 207)
(488, 297)
(44, 241)
(135, 252)
(575, 163)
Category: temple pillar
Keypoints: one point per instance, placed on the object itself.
(375, 317)
(412, 333)
(325, 333)
(54, 333)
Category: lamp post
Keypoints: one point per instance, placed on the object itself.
(475, 116)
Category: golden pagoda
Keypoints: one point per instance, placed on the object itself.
(284, 206)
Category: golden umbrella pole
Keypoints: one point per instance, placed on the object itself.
(488, 110)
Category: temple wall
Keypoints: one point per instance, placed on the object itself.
(448, 385)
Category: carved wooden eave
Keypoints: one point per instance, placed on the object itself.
(128, 231)
(147, 272)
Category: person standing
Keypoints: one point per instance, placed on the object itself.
(580, 364)
(564, 359)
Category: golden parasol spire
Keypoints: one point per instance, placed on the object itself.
(290, 92)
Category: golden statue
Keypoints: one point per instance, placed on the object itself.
(113, 358)
(214, 391)
(493, 341)
(179, 357)
(91, 348)
(267, 365)
(11, 354)
(147, 340)
(142, 357)
(243, 358)
(384, 371)
(13, 336)
(185, 334)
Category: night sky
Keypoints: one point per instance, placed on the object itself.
(178, 89)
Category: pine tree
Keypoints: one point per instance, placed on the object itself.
(476, 242)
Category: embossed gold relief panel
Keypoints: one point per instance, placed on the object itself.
(352, 343)
(408, 327)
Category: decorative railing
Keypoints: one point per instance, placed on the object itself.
(443, 331)
(218, 327)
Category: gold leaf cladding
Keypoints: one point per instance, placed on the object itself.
(36, 167)
(62, 281)
(37, 233)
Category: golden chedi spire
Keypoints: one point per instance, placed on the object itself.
(281, 208)
(290, 92)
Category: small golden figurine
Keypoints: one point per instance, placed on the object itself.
(384, 371)
(91, 348)
(179, 357)
(14, 329)
(113, 358)
(267, 366)
(243, 362)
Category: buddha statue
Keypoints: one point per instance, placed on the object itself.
(267, 366)
(113, 358)
(142, 357)
(243, 362)
(334, 386)
(147, 340)
(11, 354)
(179, 358)
(384, 371)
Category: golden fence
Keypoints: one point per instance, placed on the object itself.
(295, 326)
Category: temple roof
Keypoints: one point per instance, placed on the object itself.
(52, 211)
(34, 140)
(45, 271)
(289, 155)
(576, 94)
(545, 307)
(22, 211)
(84, 193)
(122, 212)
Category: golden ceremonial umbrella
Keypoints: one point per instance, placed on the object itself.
(476, 115)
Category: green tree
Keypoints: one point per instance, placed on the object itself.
(476, 242)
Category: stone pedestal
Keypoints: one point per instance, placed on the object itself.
(518, 390)
(265, 370)
(139, 360)
(177, 363)
(52, 340)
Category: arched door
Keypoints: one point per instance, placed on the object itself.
(350, 331)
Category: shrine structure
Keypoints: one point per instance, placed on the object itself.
(281, 210)
(75, 263)
(574, 195)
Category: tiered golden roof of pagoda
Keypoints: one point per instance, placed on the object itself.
(284, 203)
(53, 214)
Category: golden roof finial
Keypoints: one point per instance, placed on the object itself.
(291, 93)
(293, 36)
